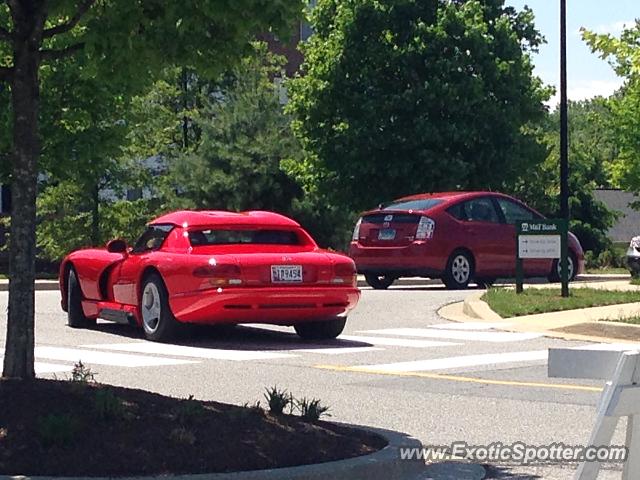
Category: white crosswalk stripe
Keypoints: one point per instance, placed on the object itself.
(44, 367)
(397, 342)
(471, 325)
(193, 352)
(458, 362)
(339, 350)
(472, 336)
(104, 358)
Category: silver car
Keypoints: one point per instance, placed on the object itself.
(633, 256)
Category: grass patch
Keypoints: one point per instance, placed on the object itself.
(635, 281)
(507, 303)
(633, 320)
(608, 271)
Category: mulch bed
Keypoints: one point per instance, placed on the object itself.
(50, 427)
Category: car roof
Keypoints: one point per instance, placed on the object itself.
(209, 218)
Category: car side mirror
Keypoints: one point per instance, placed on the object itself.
(117, 246)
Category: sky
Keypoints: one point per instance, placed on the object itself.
(587, 74)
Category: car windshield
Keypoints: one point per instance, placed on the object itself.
(423, 204)
(243, 236)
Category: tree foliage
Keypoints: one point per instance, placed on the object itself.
(623, 54)
(245, 137)
(403, 96)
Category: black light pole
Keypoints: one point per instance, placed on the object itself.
(564, 156)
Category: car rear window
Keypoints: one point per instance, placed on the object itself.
(423, 204)
(243, 236)
(378, 218)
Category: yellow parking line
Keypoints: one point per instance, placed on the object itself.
(458, 378)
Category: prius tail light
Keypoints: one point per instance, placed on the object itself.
(219, 274)
(426, 228)
(345, 274)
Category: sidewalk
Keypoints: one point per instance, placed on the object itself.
(586, 324)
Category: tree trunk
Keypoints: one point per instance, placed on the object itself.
(95, 214)
(28, 20)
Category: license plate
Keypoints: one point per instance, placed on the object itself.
(387, 234)
(286, 273)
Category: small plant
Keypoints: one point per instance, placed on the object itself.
(82, 374)
(182, 436)
(108, 406)
(189, 410)
(278, 400)
(58, 430)
(311, 410)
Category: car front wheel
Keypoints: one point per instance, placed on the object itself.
(321, 330)
(378, 281)
(158, 322)
(459, 270)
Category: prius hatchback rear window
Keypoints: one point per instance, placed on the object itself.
(423, 204)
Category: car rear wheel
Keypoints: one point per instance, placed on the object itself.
(459, 270)
(556, 275)
(75, 315)
(379, 281)
(322, 330)
(158, 322)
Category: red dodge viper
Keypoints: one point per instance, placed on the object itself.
(212, 267)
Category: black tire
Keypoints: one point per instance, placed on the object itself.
(379, 281)
(321, 330)
(554, 275)
(158, 322)
(75, 315)
(459, 270)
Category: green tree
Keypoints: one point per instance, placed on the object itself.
(623, 54)
(405, 96)
(245, 137)
(122, 42)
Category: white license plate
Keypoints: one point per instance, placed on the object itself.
(286, 273)
(387, 234)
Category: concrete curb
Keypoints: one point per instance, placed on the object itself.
(382, 465)
(475, 308)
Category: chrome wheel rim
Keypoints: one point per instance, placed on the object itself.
(460, 269)
(151, 308)
(569, 268)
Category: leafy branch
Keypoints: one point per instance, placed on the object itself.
(56, 54)
(72, 22)
(5, 73)
(6, 35)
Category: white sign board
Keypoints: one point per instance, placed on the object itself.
(539, 246)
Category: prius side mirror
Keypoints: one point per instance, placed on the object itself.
(117, 246)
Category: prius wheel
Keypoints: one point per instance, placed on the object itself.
(459, 270)
(322, 330)
(556, 273)
(378, 281)
(158, 322)
(75, 315)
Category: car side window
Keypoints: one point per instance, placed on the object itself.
(513, 212)
(481, 210)
(457, 211)
(152, 238)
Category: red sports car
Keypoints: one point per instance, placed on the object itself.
(456, 236)
(212, 267)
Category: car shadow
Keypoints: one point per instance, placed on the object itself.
(234, 337)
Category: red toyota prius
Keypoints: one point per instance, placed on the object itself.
(459, 237)
(212, 267)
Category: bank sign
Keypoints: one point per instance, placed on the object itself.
(540, 238)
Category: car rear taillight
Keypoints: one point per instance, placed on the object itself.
(356, 231)
(219, 274)
(426, 227)
(344, 274)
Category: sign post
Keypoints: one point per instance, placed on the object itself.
(542, 239)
